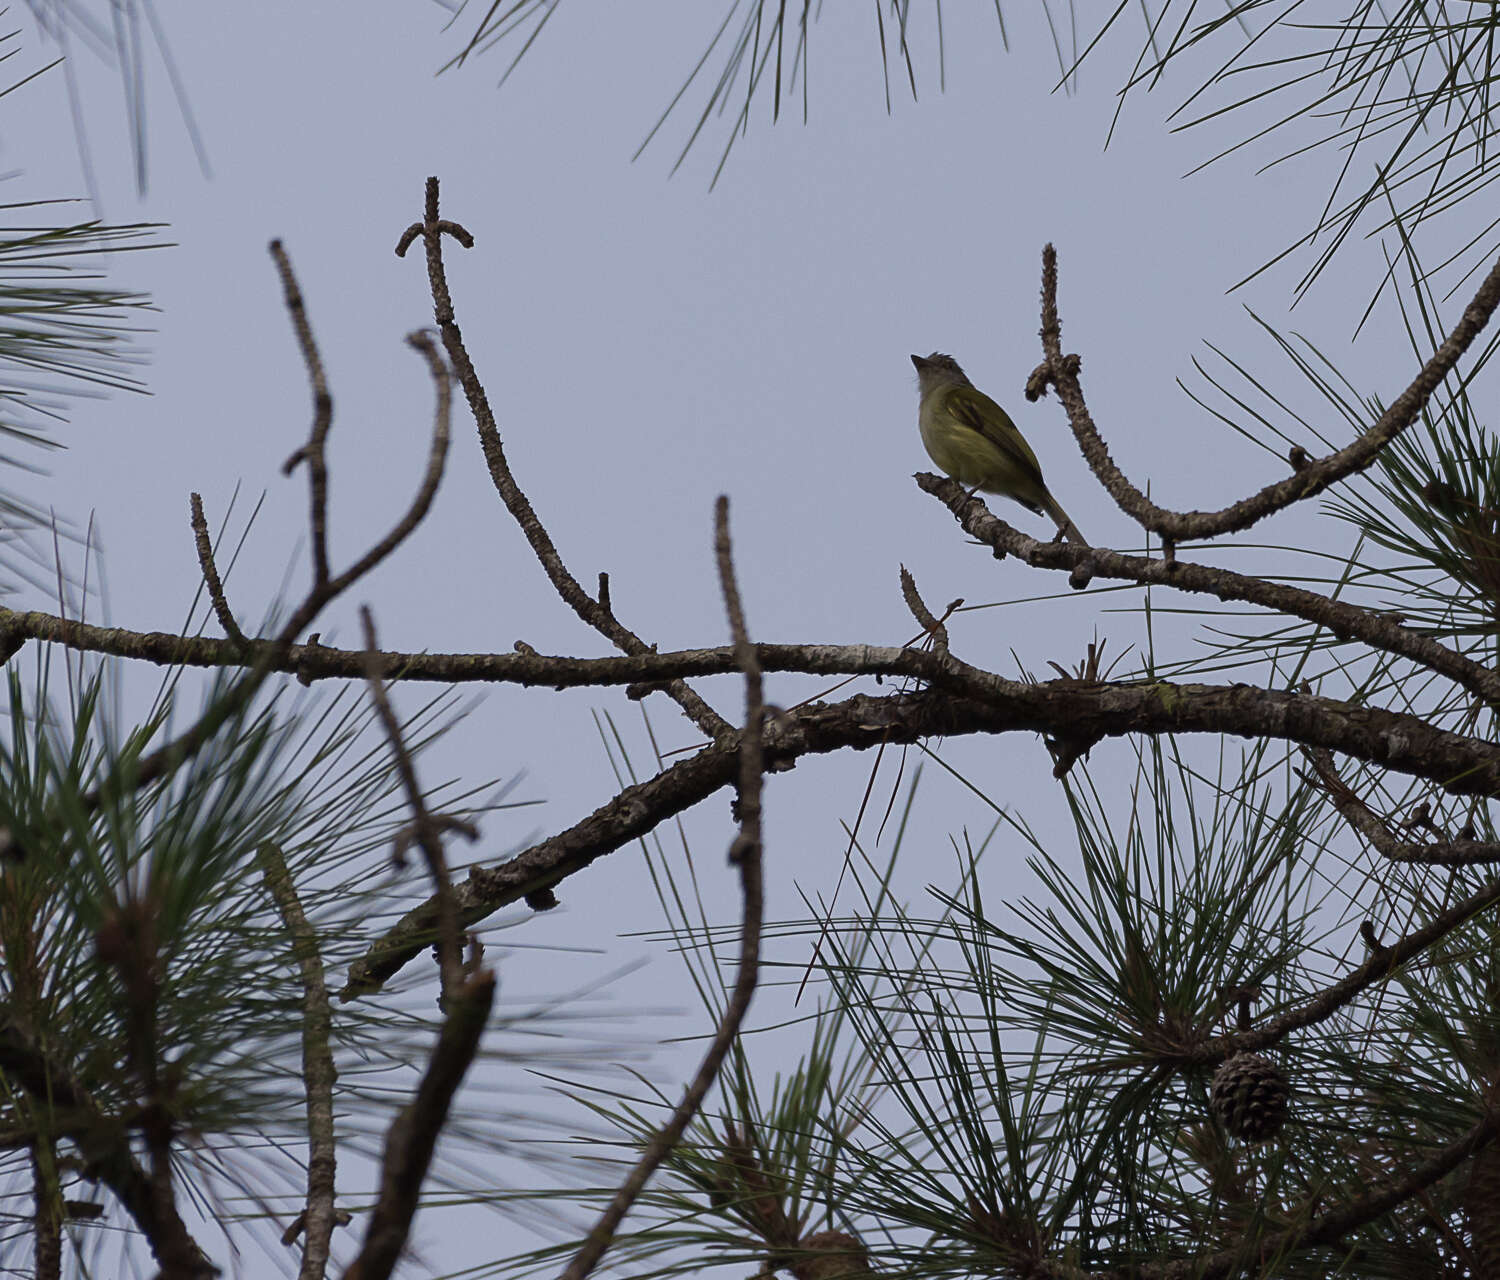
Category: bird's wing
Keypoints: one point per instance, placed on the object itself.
(974, 409)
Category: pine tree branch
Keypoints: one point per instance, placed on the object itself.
(1462, 852)
(104, 1144)
(319, 1075)
(310, 662)
(745, 853)
(596, 613)
(1344, 620)
(1323, 1229)
(963, 701)
(1383, 961)
(1312, 478)
(47, 1215)
(413, 1135)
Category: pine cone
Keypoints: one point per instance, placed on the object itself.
(831, 1255)
(1249, 1096)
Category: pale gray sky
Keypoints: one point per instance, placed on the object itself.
(647, 344)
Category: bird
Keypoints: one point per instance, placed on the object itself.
(972, 439)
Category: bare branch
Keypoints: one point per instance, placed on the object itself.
(596, 613)
(466, 1000)
(413, 1134)
(1312, 477)
(312, 453)
(426, 829)
(524, 667)
(745, 852)
(170, 756)
(1462, 852)
(318, 1073)
(1347, 621)
(210, 572)
(963, 700)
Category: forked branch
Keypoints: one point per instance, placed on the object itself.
(1312, 477)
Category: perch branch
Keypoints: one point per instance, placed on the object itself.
(1312, 477)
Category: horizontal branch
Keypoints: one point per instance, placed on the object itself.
(311, 662)
(964, 701)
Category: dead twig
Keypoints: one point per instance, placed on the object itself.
(1312, 477)
(413, 1134)
(319, 1214)
(466, 1003)
(170, 756)
(210, 571)
(596, 613)
(313, 453)
(1465, 851)
(744, 852)
(425, 830)
(931, 626)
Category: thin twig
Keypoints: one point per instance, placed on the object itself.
(931, 625)
(318, 1072)
(745, 852)
(170, 756)
(313, 453)
(1437, 853)
(426, 830)
(413, 1134)
(596, 613)
(210, 572)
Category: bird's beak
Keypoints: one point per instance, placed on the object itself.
(918, 362)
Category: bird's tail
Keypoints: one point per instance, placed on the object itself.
(1065, 525)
